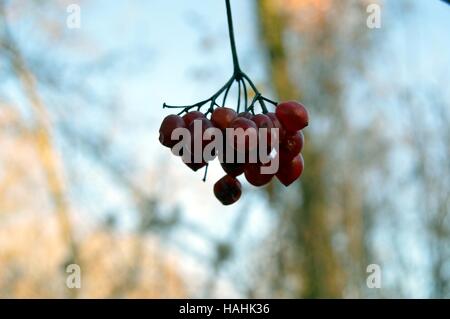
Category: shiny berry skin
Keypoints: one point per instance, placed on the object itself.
(254, 176)
(227, 190)
(292, 145)
(289, 172)
(292, 115)
(246, 115)
(262, 121)
(191, 116)
(222, 117)
(168, 125)
(277, 124)
(250, 134)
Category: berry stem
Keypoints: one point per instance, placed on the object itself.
(245, 95)
(206, 173)
(239, 96)
(258, 95)
(226, 95)
(238, 76)
(237, 69)
(269, 100)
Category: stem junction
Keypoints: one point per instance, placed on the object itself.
(242, 80)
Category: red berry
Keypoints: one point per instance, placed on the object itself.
(292, 145)
(191, 158)
(229, 162)
(191, 162)
(277, 124)
(168, 125)
(292, 115)
(255, 177)
(227, 190)
(291, 171)
(222, 117)
(198, 135)
(233, 169)
(191, 116)
(246, 134)
(264, 122)
(195, 166)
(246, 115)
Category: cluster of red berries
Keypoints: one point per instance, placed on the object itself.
(283, 129)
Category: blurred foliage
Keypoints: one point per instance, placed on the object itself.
(325, 236)
(38, 229)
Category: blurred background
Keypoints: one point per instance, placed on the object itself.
(84, 180)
